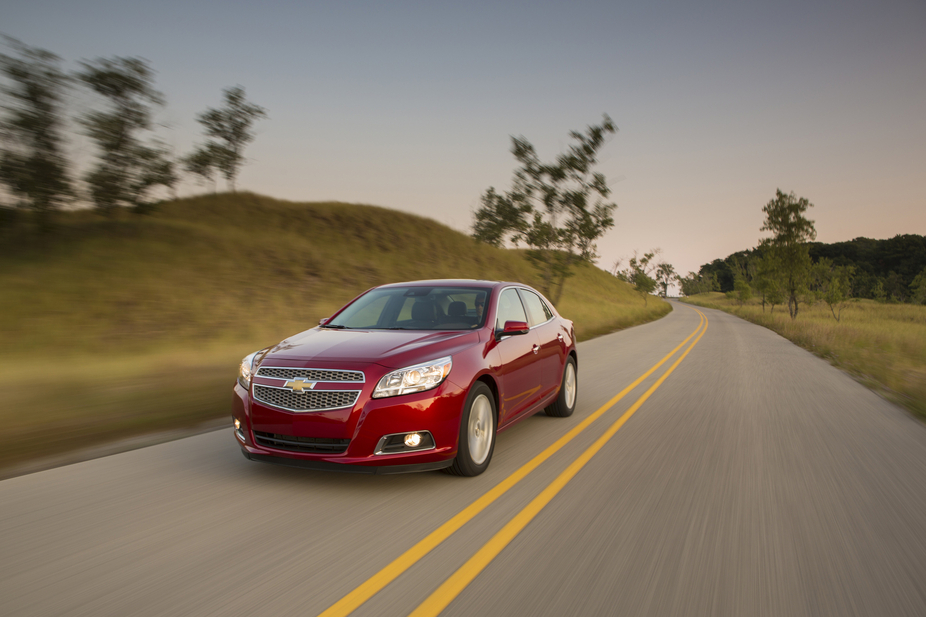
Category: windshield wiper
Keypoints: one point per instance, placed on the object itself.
(334, 327)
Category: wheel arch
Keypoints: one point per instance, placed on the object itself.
(489, 381)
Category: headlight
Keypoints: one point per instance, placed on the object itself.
(414, 378)
(244, 370)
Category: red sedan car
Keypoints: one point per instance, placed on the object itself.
(408, 377)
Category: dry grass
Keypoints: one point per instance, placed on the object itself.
(622, 306)
(882, 345)
(129, 325)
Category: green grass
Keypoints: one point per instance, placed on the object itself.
(124, 326)
(882, 345)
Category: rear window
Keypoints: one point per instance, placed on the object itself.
(415, 308)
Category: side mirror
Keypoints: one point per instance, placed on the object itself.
(323, 321)
(512, 328)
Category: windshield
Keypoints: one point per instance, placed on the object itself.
(415, 308)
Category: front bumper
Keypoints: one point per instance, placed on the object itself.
(343, 467)
(436, 411)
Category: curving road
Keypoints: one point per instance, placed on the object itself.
(754, 480)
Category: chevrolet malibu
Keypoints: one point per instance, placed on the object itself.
(408, 377)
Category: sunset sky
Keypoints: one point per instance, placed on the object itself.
(411, 105)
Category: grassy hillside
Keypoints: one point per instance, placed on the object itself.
(134, 324)
(882, 345)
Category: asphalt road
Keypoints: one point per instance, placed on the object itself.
(755, 480)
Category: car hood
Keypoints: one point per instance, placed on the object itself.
(390, 348)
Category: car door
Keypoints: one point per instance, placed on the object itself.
(552, 353)
(519, 373)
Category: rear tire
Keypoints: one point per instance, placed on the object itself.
(565, 403)
(476, 442)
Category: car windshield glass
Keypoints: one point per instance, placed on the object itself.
(415, 308)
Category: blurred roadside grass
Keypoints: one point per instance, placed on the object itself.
(881, 345)
(115, 327)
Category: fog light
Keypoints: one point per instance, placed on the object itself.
(412, 440)
(237, 424)
(397, 443)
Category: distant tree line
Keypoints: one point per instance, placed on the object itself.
(804, 271)
(131, 163)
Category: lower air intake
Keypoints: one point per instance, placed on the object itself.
(305, 445)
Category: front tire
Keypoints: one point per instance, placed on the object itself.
(568, 392)
(476, 442)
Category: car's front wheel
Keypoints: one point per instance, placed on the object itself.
(477, 433)
(565, 403)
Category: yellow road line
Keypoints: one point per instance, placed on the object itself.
(459, 580)
(349, 603)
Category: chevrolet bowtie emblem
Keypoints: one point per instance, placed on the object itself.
(299, 384)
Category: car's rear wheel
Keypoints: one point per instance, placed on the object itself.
(565, 403)
(477, 433)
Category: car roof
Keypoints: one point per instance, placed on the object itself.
(449, 283)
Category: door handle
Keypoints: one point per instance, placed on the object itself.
(560, 337)
(536, 348)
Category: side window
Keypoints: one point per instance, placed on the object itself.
(509, 309)
(536, 309)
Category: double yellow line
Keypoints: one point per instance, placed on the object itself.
(452, 587)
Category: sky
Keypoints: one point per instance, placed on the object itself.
(412, 105)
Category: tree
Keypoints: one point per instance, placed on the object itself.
(230, 130)
(689, 284)
(918, 288)
(791, 232)
(638, 273)
(557, 209)
(696, 283)
(644, 285)
(877, 292)
(767, 278)
(32, 164)
(836, 288)
(894, 287)
(744, 266)
(665, 276)
(721, 271)
(498, 217)
(128, 169)
(742, 290)
(202, 162)
(817, 280)
(775, 296)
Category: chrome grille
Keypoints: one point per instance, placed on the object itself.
(311, 374)
(316, 400)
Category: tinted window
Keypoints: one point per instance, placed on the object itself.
(536, 309)
(509, 309)
(415, 308)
